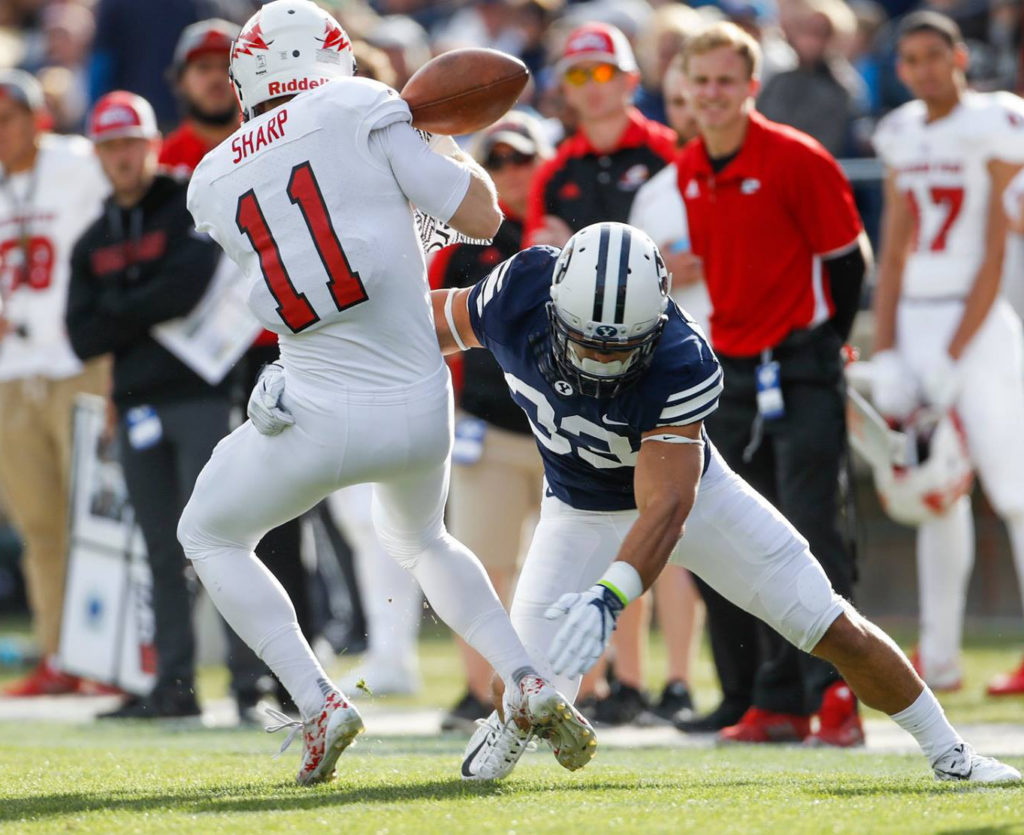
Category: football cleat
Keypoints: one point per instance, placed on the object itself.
(494, 749)
(536, 704)
(325, 736)
(961, 763)
(759, 725)
(839, 723)
(1008, 684)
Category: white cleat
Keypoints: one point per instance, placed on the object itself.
(552, 717)
(325, 736)
(961, 763)
(494, 749)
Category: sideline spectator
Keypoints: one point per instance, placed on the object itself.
(773, 221)
(824, 93)
(51, 189)
(497, 475)
(944, 336)
(141, 263)
(134, 46)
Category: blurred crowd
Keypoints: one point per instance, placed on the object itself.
(829, 64)
(828, 69)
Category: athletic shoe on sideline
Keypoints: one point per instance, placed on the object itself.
(758, 726)
(381, 678)
(1008, 684)
(961, 763)
(621, 706)
(325, 736)
(44, 680)
(839, 723)
(726, 714)
(676, 702)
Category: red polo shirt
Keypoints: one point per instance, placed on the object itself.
(761, 226)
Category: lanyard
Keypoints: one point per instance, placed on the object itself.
(115, 218)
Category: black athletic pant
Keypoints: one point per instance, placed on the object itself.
(795, 466)
(160, 478)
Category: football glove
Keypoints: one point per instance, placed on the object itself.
(941, 382)
(265, 410)
(893, 387)
(590, 618)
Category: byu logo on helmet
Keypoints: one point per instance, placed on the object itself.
(607, 310)
(563, 388)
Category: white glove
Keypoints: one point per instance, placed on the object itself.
(893, 388)
(590, 618)
(941, 382)
(264, 407)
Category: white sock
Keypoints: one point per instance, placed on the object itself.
(927, 723)
(459, 590)
(945, 555)
(257, 607)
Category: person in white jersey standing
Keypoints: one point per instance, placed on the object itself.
(311, 197)
(945, 338)
(51, 188)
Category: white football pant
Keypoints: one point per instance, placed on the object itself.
(734, 539)
(398, 439)
(991, 409)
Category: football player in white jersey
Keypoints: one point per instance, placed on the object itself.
(311, 197)
(944, 337)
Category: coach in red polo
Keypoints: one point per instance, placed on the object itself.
(775, 232)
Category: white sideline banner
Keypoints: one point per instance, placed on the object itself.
(220, 328)
(108, 627)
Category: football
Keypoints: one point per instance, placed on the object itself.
(464, 90)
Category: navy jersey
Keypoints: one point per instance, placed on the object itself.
(589, 444)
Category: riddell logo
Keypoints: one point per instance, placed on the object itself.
(277, 88)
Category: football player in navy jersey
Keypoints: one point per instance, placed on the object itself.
(616, 381)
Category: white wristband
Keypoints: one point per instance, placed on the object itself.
(624, 581)
(450, 319)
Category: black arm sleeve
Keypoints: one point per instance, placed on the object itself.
(90, 331)
(845, 280)
(179, 281)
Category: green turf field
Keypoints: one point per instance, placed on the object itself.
(139, 778)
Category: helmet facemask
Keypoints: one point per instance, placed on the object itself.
(609, 294)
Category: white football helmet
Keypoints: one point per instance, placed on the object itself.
(609, 293)
(287, 47)
(941, 474)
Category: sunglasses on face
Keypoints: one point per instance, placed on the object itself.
(602, 74)
(496, 162)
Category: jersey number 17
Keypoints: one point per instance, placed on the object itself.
(292, 306)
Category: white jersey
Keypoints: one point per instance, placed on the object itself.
(659, 210)
(941, 168)
(43, 212)
(304, 198)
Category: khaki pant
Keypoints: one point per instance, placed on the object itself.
(35, 469)
(494, 499)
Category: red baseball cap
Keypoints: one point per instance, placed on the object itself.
(597, 42)
(213, 36)
(122, 114)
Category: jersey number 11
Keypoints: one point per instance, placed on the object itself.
(345, 285)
